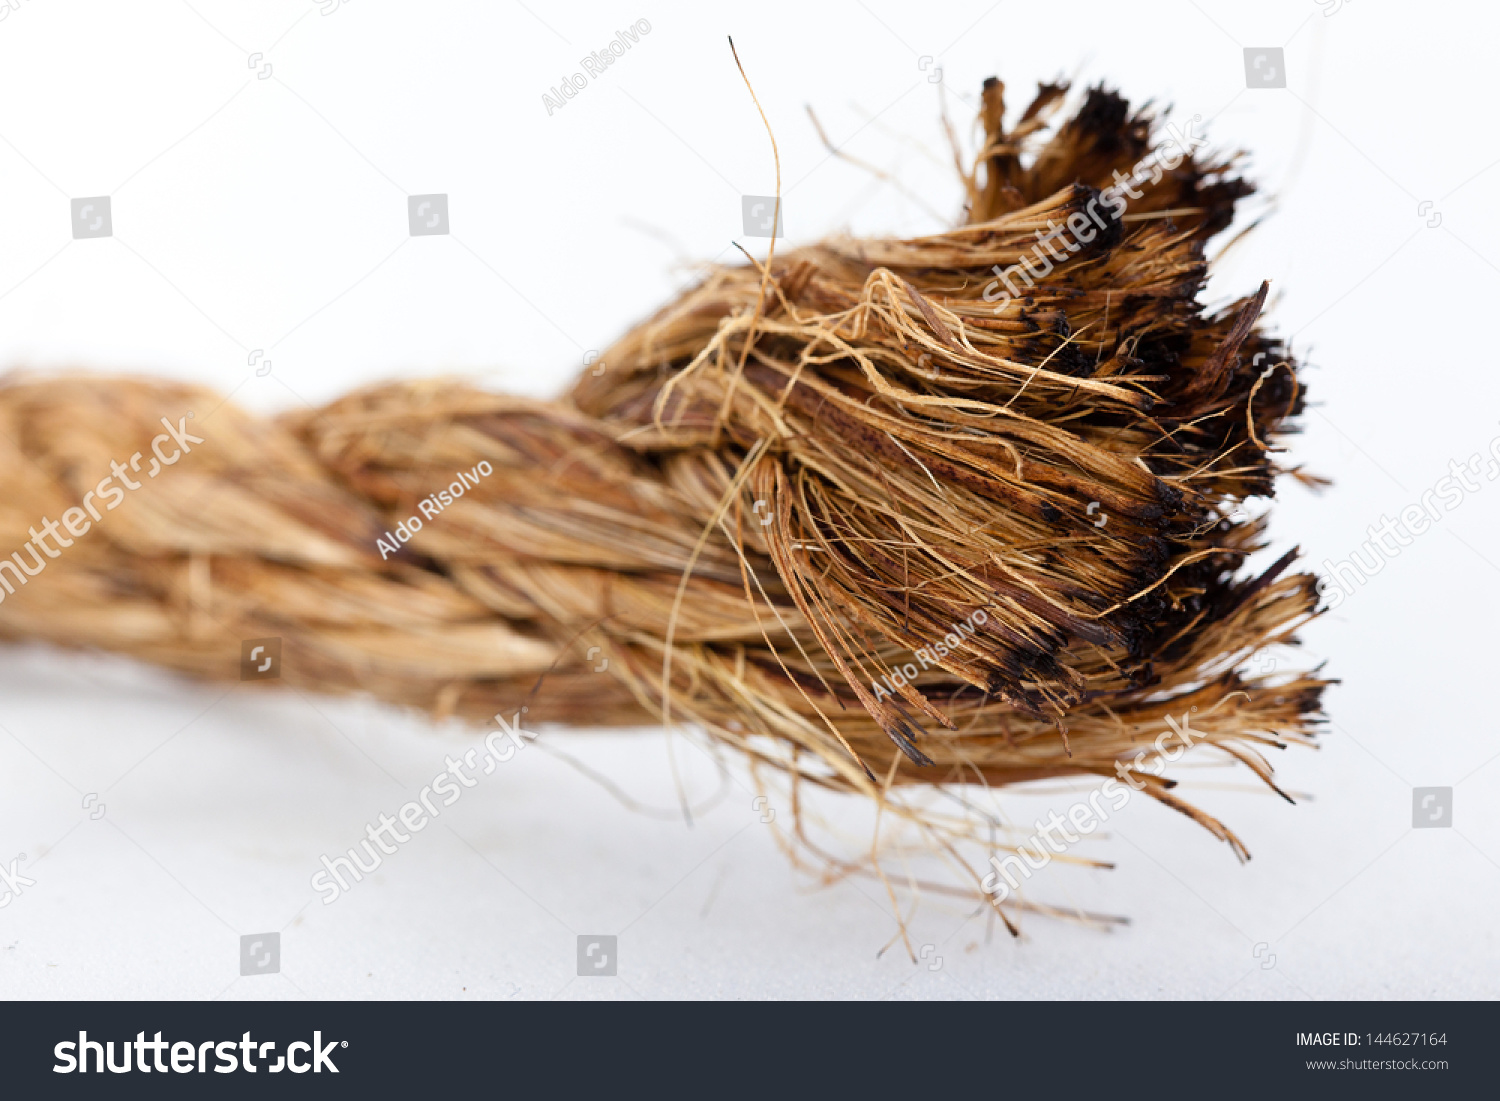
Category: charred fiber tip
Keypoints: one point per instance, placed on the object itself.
(1104, 112)
(1110, 232)
(904, 735)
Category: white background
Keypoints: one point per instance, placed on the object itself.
(271, 214)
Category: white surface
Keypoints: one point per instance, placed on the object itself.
(245, 209)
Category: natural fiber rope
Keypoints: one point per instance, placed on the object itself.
(769, 512)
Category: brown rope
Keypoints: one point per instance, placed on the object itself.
(901, 526)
